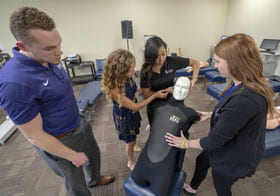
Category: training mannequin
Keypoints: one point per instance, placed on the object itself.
(158, 161)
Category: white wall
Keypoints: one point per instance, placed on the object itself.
(92, 28)
(258, 18)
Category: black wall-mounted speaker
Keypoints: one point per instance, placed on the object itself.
(127, 30)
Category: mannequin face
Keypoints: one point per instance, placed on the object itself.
(181, 88)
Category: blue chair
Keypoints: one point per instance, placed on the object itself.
(99, 68)
(133, 189)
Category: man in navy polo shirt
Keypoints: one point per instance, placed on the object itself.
(36, 93)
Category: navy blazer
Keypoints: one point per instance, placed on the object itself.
(235, 144)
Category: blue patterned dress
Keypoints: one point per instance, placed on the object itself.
(127, 122)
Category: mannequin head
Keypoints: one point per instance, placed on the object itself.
(181, 88)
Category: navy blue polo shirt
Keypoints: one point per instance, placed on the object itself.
(27, 88)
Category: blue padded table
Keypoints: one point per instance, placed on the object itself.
(215, 89)
(202, 71)
(272, 142)
(214, 76)
(133, 189)
(89, 94)
(275, 86)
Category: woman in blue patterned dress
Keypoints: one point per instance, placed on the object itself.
(119, 86)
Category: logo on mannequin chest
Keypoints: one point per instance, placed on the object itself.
(174, 119)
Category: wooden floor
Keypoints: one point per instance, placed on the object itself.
(23, 173)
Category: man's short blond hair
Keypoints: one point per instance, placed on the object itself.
(26, 19)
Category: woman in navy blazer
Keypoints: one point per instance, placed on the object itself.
(235, 144)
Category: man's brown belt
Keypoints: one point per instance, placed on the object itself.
(66, 134)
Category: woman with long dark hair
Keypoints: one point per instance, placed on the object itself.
(158, 70)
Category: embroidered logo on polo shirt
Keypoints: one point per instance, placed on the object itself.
(169, 71)
(46, 83)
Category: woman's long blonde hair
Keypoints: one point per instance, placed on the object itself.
(115, 72)
(245, 64)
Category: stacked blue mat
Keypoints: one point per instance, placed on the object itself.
(89, 94)
(211, 73)
(272, 137)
